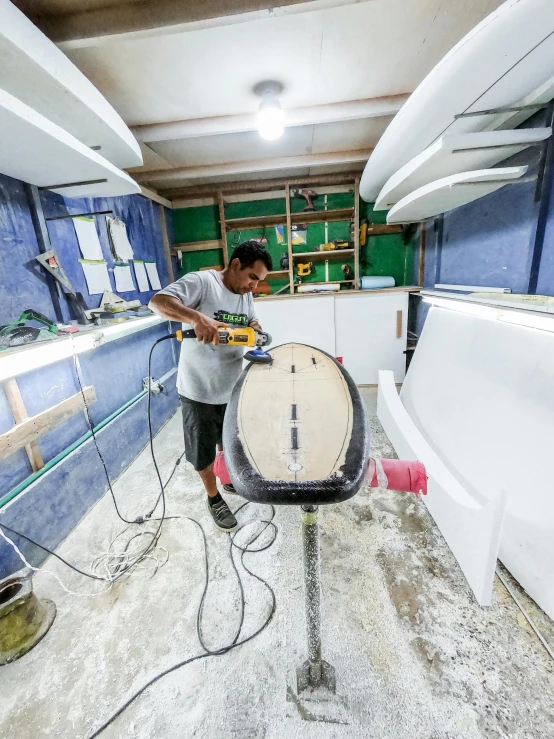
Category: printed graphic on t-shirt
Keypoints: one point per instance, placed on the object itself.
(235, 319)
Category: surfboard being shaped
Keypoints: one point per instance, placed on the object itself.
(35, 150)
(34, 70)
(451, 155)
(296, 431)
(506, 60)
(451, 192)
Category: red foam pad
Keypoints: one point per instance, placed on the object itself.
(402, 476)
(220, 469)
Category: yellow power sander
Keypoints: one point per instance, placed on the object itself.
(239, 336)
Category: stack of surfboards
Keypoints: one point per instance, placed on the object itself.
(58, 131)
(440, 149)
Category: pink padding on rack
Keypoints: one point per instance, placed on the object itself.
(402, 476)
(220, 469)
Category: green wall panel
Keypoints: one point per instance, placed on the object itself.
(383, 255)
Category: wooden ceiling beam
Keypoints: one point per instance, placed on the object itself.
(255, 186)
(83, 28)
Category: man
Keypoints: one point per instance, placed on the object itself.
(207, 372)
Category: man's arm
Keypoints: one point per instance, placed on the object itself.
(173, 309)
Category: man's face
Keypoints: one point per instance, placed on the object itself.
(245, 280)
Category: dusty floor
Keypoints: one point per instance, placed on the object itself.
(415, 657)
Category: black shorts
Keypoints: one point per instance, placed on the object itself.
(202, 426)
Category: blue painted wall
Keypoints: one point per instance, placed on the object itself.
(51, 507)
(505, 239)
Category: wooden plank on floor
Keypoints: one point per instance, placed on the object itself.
(31, 428)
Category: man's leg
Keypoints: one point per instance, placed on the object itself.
(202, 425)
(208, 478)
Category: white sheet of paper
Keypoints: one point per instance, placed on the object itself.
(152, 270)
(140, 274)
(123, 278)
(120, 240)
(97, 276)
(89, 243)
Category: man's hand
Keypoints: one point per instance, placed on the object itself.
(206, 329)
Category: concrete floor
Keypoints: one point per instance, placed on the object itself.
(415, 657)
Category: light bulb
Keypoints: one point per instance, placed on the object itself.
(271, 121)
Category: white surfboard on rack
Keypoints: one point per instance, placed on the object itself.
(451, 155)
(451, 192)
(33, 69)
(35, 150)
(507, 60)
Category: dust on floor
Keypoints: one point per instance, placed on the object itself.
(415, 656)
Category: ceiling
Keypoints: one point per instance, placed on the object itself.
(337, 60)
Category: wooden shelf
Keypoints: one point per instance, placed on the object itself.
(277, 273)
(329, 282)
(382, 229)
(322, 216)
(311, 216)
(196, 246)
(244, 224)
(319, 255)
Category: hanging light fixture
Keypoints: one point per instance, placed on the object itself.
(271, 120)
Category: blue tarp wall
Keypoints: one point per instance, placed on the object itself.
(51, 506)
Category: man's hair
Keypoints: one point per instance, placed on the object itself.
(249, 252)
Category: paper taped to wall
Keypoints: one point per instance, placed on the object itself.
(96, 275)
(123, 278)
(152, 270)
(87, 236)
(121, 246)
(140, 274)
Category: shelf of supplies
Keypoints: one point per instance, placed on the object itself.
(277, 273)
(188, 246)
(318, 255)
(322, 216)
(311, 216)
(329, 282)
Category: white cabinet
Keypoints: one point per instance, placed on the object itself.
(368, 330)
(303, 320)
(370, 334)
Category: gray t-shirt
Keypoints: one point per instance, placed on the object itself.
(208, 373)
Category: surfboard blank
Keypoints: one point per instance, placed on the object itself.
(36, 72)
(451, 192)
(459, 517)
(35, 150)
(454, 154)
(295, 431)
(506, 59)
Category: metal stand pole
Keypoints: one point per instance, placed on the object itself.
(314, 672)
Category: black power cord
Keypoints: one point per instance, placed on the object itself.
(139, 520)
(236, 641)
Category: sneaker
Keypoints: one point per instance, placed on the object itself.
(222, 516)
(229, 489)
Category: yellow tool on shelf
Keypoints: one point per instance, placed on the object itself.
(303, 269)
(336, 244)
